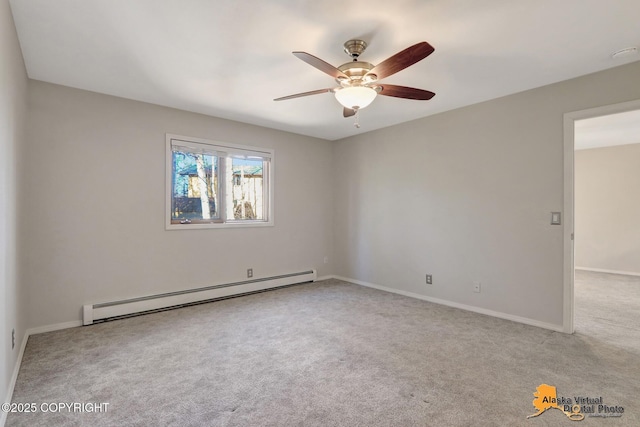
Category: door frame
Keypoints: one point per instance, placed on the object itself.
(569, 199)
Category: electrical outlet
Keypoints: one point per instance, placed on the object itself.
(476, 287)
(429, 279)
(249, 272)
(13, 339)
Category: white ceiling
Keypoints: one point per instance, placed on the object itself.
(608, 131)
(231, 58)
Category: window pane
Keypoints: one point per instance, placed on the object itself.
(213, 184)
(194, 194)
(245, 179)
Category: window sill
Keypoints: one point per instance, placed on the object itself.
(230, 224)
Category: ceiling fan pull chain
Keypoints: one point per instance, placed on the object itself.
(357, 117)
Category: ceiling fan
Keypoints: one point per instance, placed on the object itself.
(358, 80)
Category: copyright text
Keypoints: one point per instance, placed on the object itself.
(55, 407)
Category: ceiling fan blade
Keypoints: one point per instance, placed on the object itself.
(325, 67)
(406, 92)
(299, 95)
(348, 112)
(402, 60)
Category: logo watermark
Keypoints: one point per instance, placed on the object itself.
(575, 408)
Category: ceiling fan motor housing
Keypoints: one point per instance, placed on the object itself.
(354, 48)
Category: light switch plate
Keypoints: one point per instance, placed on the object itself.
(556, 218)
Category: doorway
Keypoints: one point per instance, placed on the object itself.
(570, 120)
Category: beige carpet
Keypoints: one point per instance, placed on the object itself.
(323, 354)
(607, 307)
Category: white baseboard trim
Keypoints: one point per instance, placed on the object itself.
(56, 327)
(602, 270)
(14, 378)
(324, 278)
(498, 314)
(23, 346)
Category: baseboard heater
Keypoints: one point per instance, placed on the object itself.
(118, 309)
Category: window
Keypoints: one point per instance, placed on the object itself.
(215, 184)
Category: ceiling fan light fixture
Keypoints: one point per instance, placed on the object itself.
(356, 97)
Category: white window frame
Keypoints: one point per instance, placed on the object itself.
(229, 149)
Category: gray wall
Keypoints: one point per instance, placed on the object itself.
(94, 202)
(466, 195)
(13, 97)
(607, 184)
